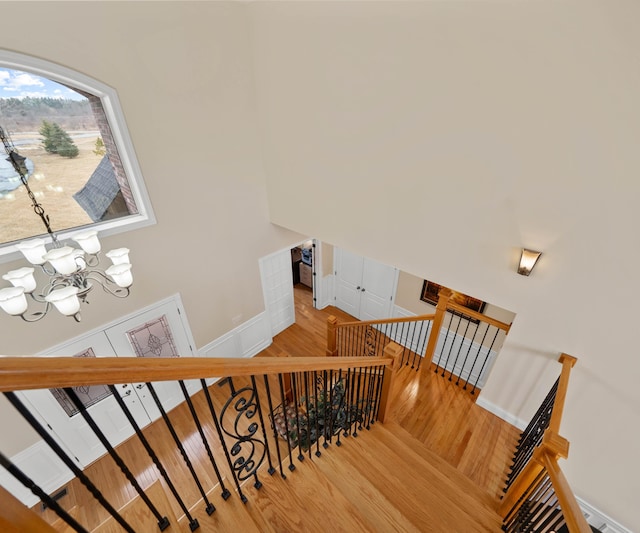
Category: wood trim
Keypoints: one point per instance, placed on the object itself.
(22, 373)
(568, 363)
(393, 352)
(332, 341)
(17, 518)
(478, 316)
(441, 309)
(387, 320)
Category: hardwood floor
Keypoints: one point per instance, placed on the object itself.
(429, 408)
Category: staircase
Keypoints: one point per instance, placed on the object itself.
(383, 480)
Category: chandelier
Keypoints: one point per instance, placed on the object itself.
(71, 272)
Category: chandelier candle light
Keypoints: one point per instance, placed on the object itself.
(70, 270)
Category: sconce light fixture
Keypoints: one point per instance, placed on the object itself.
(528, 260)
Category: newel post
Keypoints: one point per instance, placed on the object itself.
(332, 344)
(389, 383)
(443, 299)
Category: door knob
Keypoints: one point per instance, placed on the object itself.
(127, 393)
(362, 289)
(358, 288)
(139, 386)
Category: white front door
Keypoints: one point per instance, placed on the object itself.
(157, 332)
(277, 286)
(364, 288)
(160, 331)
(65, 422)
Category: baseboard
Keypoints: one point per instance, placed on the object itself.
(501, 413)
(243, 341)
(599, 520)
(43, 466)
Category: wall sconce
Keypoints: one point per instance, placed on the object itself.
(528, 260)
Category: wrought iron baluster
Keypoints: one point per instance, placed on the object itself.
(273, 424)
(285, 403)
(444, 344)
(271, 470)
(296, 404)
(423, 349)
(453, 341)
(380, 379)
(336, 428)
(37, 491)
(225, 492)
(163, 521)
(475, 385)
(464, 364)
(418, 349)
(153, 456)
(464, 336)
(214, 417)
(242, 405)
(358, 404)
(326, 399)
(317, 412)
(209, 506)
(484, 336)
(26, 414)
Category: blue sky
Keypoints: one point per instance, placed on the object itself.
(18, 84)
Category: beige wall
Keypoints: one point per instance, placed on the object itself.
(183, 76)
(444, 136)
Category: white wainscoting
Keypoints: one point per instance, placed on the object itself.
(245, 340)
(43, 466)
(324, 292)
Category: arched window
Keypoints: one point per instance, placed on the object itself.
(80, 160)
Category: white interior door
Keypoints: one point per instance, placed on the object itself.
(277, 286)
(379, 283)
(348, 269)
(156, 332)
(68, 425)
(364, 288)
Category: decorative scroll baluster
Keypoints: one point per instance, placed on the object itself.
(285, 403)
(26, 414)
(271, 469)
(209, 506)
(163, 521)
(225, 492)
(37, 490)
(214, 417)
(152, 455)
(273, 425)
(248, 450)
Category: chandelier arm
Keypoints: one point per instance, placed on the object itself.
(107, 284)
(39, 315)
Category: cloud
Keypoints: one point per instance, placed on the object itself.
(17, 79)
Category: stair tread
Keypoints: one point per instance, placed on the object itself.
(392, 433)
(427, 497)
(306, 501)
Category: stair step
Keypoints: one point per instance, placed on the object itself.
(433, 500)
(138, 515)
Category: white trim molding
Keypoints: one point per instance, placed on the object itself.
(43, 466)
(246, 340)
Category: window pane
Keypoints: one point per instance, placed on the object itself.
(74, 169)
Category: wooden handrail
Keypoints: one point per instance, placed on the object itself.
(452, 306)
(386, 320)
(568, 362)
(22, 373)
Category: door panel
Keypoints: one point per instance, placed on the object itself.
(378, 288)
(348, 281)
(68, 425)
(157, 332)
(277, 285)
(364, 287)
